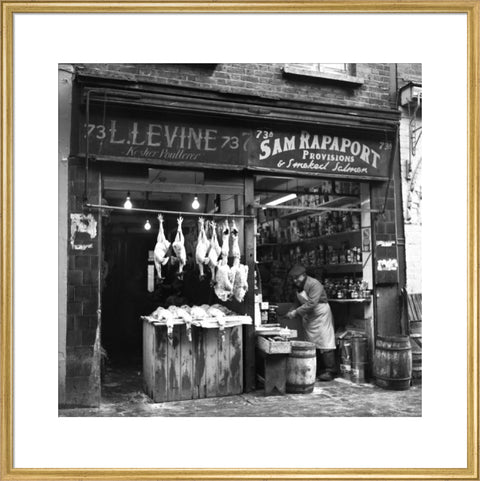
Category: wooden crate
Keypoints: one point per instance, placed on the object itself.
(414, 306)
(272, 346)
(210, 365)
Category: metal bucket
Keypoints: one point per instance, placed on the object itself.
(345, 358)
(359, 358)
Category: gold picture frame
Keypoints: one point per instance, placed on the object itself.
(8, 8)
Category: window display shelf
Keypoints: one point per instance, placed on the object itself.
(339, 202)
(342, 268)
(350, 301)
(336, 235)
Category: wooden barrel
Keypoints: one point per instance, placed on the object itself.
(301, 368)
(416, 364)
(359, 358)
(392, 363)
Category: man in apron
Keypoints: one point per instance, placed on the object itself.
(312, 306)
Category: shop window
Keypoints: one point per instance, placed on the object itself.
(318, 223)
(343, 73)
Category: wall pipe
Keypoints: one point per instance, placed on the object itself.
(160, 211)
(87, 134)
(313, 209)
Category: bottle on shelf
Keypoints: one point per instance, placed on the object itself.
(346, 288)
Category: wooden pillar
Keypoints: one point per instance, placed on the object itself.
(65, 80)
(249, 331)
(367, 254)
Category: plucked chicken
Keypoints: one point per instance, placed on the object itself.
(225, 240)
(215, 249)
(161, 248)
(223, 284)
(235, 252)
(224, 309)
(240, 284)
(233, 270)
(187, 318)
(202, 247)
(186, 308)
(235, 246)
(165, 315)
(179, 248)
(198, 312)
(215, 312)
(220, 317)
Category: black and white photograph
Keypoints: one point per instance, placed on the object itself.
(240, 239)
(222, 254)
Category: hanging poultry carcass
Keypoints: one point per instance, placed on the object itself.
(223, 285)
(225, 240)
(161, 248)
(202, 247)
(178, 247)
(235, 245)
(240, 283)
(215, 249)
(235, 252)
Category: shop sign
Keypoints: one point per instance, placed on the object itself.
(154, 138)
(314, 151)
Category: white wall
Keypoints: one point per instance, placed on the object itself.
(411, 171)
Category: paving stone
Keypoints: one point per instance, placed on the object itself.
(122, 396)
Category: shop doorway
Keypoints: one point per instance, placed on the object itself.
(131, 286)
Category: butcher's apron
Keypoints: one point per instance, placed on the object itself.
(318, 325)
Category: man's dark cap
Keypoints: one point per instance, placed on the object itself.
(296, 270)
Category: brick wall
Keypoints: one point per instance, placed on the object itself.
(83, 330)
(409, 72)
(263, 80)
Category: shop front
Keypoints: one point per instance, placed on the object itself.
(225, 197)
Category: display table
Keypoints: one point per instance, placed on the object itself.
(192, 362)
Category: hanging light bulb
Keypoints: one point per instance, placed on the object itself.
(195, 203)
(128, 202)
(147, 225)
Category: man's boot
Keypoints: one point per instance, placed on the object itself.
(328, 362)
(320, 366)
